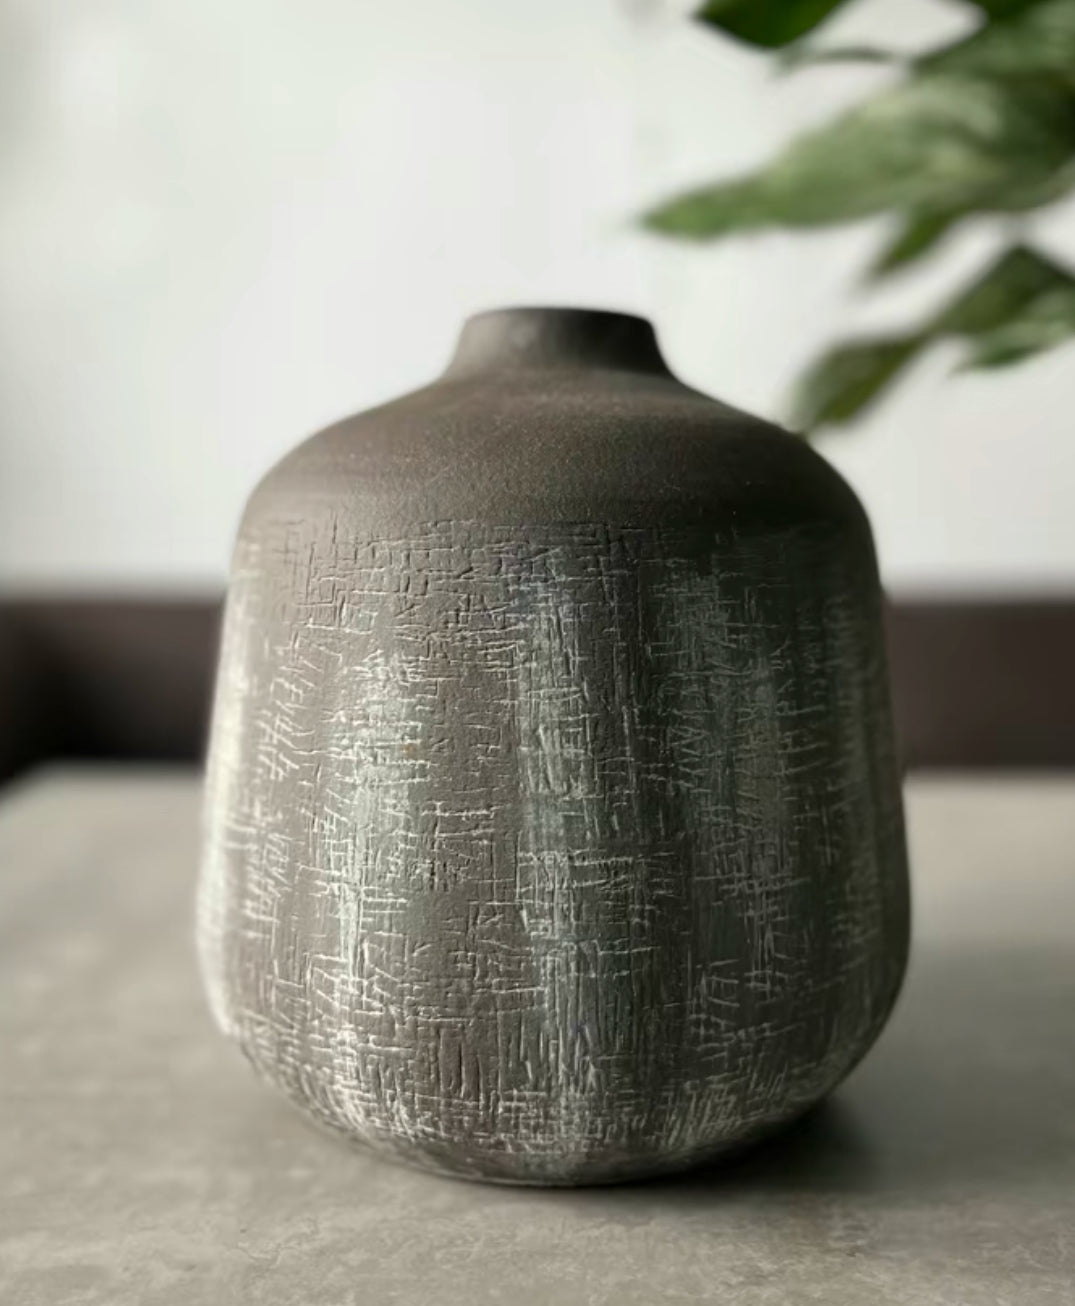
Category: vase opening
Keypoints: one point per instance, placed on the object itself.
(507, 338)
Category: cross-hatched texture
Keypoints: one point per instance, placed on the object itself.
(552, 856)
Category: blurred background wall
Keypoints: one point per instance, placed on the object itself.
(225, 224)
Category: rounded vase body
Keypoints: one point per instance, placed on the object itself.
(554, 831)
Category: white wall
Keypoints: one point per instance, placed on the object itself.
(225, 224)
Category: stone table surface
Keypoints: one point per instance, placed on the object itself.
(140, 1161)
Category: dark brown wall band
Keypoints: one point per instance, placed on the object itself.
(119, 679)
(976, 683)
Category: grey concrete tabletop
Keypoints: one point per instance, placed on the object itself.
(140, 1161)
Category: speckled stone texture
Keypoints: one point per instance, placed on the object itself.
(553, 831)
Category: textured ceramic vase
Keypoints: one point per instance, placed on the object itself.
(553, 832)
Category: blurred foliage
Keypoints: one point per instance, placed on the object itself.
(982, 126)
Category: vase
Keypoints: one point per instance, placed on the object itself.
(553, 829)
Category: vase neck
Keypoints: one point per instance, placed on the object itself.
(513, 338)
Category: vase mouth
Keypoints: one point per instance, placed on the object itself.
(580, 338)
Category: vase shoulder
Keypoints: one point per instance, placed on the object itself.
(562, 442)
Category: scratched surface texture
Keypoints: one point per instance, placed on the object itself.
(553, 826)
(551, 860)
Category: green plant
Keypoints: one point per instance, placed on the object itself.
(984, 126)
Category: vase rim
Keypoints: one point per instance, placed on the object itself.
(533, 336)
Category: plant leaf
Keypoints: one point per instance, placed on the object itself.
(935, 143)
(1003, 8)
(1023, 304)
(1048, 322)
(1005, 291)
(806, 56)
(767, 23)
(918, 236)
(1039, 42)
(848, 379)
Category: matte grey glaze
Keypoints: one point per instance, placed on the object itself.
(554, 833)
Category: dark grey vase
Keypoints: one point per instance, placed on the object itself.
(554, 830)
